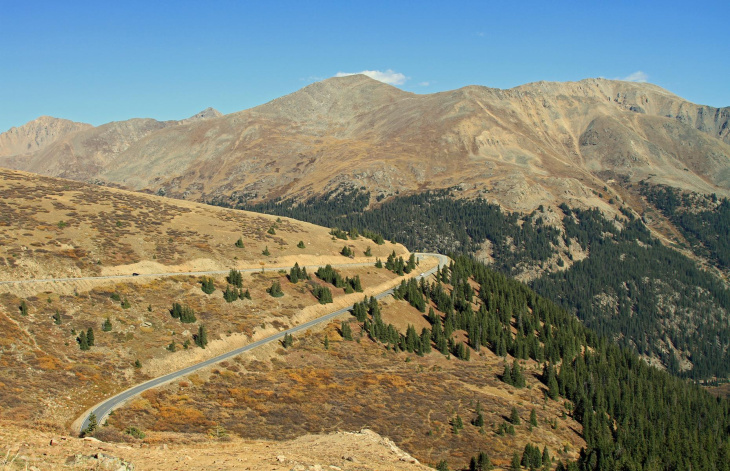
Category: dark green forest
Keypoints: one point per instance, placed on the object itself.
(641, 293)
(430, 221)
(631, 288)
(703, 220)
(634, 417)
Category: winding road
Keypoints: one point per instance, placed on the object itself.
(102, 410)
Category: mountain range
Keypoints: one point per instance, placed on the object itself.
(540, 143)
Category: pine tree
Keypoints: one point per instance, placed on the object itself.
(275, 290)
(514, 416)
(326, 342)
(201, 339)
(442, 466)
(90, 337)
(368, 252)
(515, 463)
(533, 418)
(230, 294)
(206, 284)
(106, 326)
(347, 251)
(507, 374)
(288, 340)
(81, 339)
(266, 251)
(271, 230)
(546, 460)
(23, 308)
(346, 331)
(239, 243)
(300, 244)
(126, 304)
(378, 263)
(57, 317)
(93, 424)
(479, 420)
(518, 379)
(235, 278)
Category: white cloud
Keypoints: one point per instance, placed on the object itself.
(389, 76)
(424, 84)
(637, 76)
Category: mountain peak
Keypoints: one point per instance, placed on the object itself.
(37, 134)
(207, 113)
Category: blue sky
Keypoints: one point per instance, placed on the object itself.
(107, 61)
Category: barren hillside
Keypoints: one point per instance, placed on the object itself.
(534, 144)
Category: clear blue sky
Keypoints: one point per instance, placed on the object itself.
(107, 61)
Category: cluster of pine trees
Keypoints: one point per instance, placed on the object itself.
(296, 273)
(333, 277)
(634, 416)
(397, 265)
(185, 313)
(703, 220)
(636, 276)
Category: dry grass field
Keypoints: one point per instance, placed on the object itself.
(282, 394)
(52, 228)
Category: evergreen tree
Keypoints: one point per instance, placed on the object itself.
(57, 317)
(126, 304)
(507, 374)
(93, 425)
(326, 342)
(275, 290)
(230, 294)
(515, 463)
(266, 251)
(347, 251)
(81, 339)
(301, 244)
(90, 337)
(239, 243)
(271, 230)
(23, 308)
(346, 331)
(201, 338)
(442, 466)
(514, 416)
(235, 278)
(546, 460)
(378, 263)
(106, 326)
(533, 418)
(288, 340)
(518, 379)
(323, 294)
(206, 284)
(368, 252)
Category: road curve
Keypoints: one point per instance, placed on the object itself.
(103, 409)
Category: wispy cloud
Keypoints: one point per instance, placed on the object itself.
(637, 76)
(389, 76)
(424, 84)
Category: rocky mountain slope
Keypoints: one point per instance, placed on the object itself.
(538, 143)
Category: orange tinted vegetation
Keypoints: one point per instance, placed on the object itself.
(307, 389)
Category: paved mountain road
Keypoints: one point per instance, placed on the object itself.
(103, 409)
